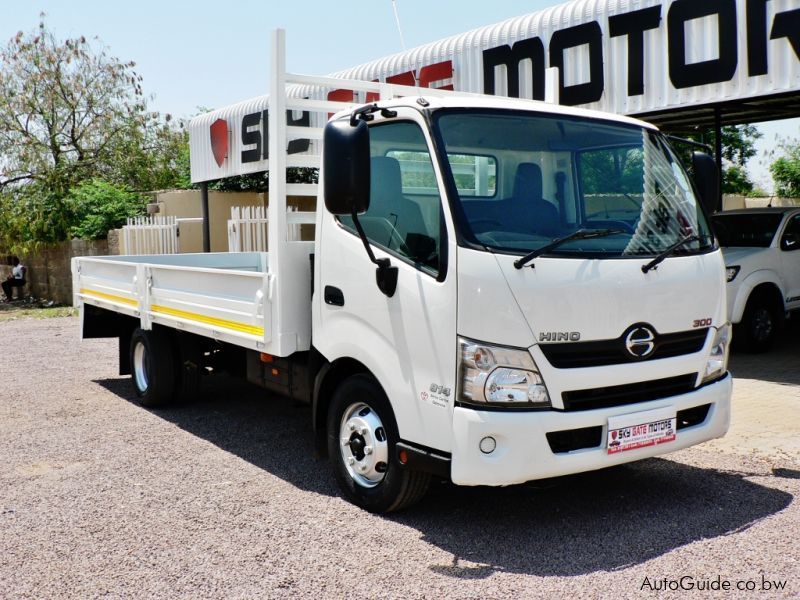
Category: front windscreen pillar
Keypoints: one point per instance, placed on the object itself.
(718, 152)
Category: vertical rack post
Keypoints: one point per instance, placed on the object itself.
(204, 208)
(277, 189)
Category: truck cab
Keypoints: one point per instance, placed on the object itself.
(553, 284)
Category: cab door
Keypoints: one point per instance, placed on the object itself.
(790, 261)
(407, 340)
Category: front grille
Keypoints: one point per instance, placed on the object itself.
(574, 355)
(574, 439)
(620, 395)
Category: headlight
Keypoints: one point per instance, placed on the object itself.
(717, 362)
(498, 375)
(731, 273)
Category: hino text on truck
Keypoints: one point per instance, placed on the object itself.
(497, 290)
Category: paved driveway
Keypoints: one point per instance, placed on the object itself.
(102, 498)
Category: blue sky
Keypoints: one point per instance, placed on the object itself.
(213, 52)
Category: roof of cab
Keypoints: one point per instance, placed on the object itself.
(478, 101)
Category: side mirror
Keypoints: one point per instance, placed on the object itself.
(346, 167)
(706, 179)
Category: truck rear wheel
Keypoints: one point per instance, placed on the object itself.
(362, 434)
(152, 367)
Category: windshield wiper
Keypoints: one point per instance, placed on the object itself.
(653, 264)
(581, 234)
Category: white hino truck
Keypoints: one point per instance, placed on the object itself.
(497, 291)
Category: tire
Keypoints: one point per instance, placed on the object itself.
(153, 368)
(759, 326)
(362, 434)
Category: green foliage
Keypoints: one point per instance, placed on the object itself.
(96, 206)
(612, 171)
(71, 115)
(153, 157)
(738, 143)
(259, 182)
(64, 106)
(738, 147)
(31, 215)
(736, 181)
(786, 172)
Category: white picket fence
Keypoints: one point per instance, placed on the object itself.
(150, 235)
(247, 231)
(247, 227)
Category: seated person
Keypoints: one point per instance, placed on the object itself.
(16, 279)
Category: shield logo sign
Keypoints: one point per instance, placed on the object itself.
(219, 140)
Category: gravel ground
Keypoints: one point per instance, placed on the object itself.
(100, 497)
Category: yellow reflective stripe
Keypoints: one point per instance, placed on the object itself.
(221, 323)
(111, 297)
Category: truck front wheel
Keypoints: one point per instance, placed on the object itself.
(152, 367)
(362, 434)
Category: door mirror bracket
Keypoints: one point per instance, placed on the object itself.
(385, 274)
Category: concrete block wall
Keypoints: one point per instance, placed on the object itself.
(49, 273)
(733, 202)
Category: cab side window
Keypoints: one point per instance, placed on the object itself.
(791, 235)
(400, 220)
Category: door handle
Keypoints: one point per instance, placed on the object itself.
(334, 296)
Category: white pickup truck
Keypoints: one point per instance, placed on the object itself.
(762, 263)
(497, 291)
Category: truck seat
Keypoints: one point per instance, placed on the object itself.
(532, 212)
(388, 202)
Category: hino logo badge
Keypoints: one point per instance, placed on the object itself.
(640, 341)
(559, 336)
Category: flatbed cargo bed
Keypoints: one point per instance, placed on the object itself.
(229, 297)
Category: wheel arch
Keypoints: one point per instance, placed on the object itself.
(771, 292)
(762, 281)
(328, 378)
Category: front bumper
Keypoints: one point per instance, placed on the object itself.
(524, 454)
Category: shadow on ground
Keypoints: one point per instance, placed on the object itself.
(575, 525)
(779, 365)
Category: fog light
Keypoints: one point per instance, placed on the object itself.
(488, 444)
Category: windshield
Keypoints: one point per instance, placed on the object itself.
(747, 231)
(549, 177)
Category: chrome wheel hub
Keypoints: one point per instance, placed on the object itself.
(363, 444)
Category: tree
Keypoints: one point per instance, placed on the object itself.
(259, 182)
(738, 147)
(69, 114)
(65, 107)
(786, 171)
(152, 157)
(738, 143)
(95, 206)
(736, 181)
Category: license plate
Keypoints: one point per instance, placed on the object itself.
(640, 430)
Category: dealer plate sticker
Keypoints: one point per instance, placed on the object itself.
(640, 430)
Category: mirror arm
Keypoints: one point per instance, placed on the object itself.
(385, 274)
(365, 241)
